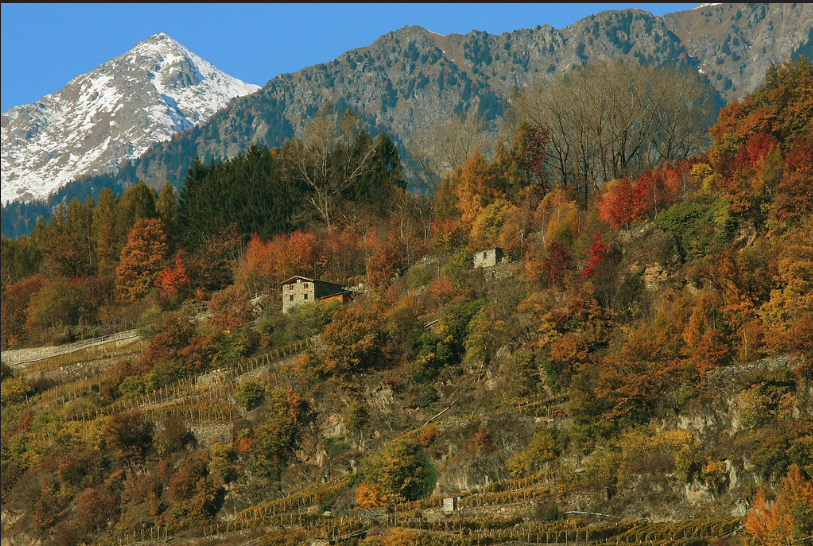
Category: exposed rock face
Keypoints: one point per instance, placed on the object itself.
(111, 115)
(735, 44)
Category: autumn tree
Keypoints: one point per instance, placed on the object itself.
(138, 202)
(386, 260)
(173, 282)
(276, 438)
(249, 394)
(782, 108)
(66, 303)
(266, 263)
(557, 264)
(789, 519)
(402, 472)
(211, 265)
(793, 197)
(614, 120)
(440, 149)
(352, 341)
(531, 155)
(15, 299)
(478, 184)
(230, 308)
(541, 449)
(130, 434)
(487, 228)
(621, 203)
(596, 256)
(142, 260)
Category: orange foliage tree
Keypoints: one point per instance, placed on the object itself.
(789, 519)
(351, 341)
(266, 263)
(622, 203)
(370, 495)
(173, 282)
(387, 259)
(15, 298)
(231, 307)
(142, 260)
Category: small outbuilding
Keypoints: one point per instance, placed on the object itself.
(450, 504)
(488, 258)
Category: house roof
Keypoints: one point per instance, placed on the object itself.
(336, 295)
(300, 277)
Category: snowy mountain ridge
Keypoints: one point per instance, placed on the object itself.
(110, 115)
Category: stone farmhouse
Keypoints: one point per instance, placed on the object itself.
(298, 290)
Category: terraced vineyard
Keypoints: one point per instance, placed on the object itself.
(496, 514)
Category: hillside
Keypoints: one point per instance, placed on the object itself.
(634, 367)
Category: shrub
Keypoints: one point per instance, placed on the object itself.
(249, 394)
(402, 471)
(541, 449)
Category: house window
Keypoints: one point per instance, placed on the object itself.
(291, 297)
(306, 296)
(306, 285)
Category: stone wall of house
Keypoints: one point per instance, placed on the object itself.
(488, 258)
(297, 293)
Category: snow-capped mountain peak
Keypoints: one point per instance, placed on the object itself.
(110, 115)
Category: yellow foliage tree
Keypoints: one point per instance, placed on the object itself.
(478, 185)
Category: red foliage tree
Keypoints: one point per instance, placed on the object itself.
(595, 254)
(173, 282)
(622, 203)
(557, 264)
(793, 198)
(387, 260)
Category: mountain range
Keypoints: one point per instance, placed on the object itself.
(407, 81)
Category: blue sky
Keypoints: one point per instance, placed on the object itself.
(44, 46)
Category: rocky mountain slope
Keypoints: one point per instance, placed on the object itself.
(111, 115)
(412, 79)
